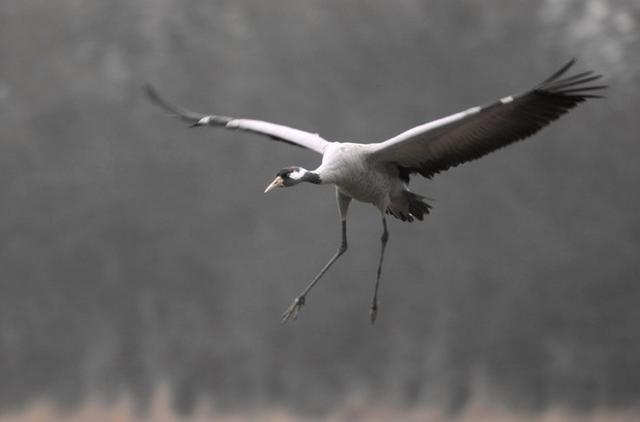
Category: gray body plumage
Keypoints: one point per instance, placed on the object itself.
(349, 167)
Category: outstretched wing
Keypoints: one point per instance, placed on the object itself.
(436, 146)
(281, 133)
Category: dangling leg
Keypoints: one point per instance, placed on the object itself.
(343, 206)
(374, 303)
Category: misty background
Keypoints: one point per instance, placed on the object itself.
(135, 252)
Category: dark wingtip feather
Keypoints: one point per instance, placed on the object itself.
(153, 95)
(592, 96)
(587, 88)
(562, 84)
(150, 92)
(575, 86)
(560, 72)
(174, 110)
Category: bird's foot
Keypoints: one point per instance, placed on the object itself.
(373, 311)
(292, 311)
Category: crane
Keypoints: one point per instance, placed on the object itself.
(378, 173)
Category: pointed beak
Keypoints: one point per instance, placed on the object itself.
(277, 183)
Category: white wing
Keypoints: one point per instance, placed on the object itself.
(436, 146)
(281, 133)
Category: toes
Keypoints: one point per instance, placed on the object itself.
(292, 312)
(286, 317)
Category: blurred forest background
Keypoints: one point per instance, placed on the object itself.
(137, 253)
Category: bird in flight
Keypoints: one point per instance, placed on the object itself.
(378, 173)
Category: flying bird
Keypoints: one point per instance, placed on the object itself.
(378, 173)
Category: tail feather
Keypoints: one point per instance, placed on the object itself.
(408, 206)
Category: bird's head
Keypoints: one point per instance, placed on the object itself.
(292, 176)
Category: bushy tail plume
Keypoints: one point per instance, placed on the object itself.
(408, 206)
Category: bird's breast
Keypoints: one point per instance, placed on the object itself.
(348, 168)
